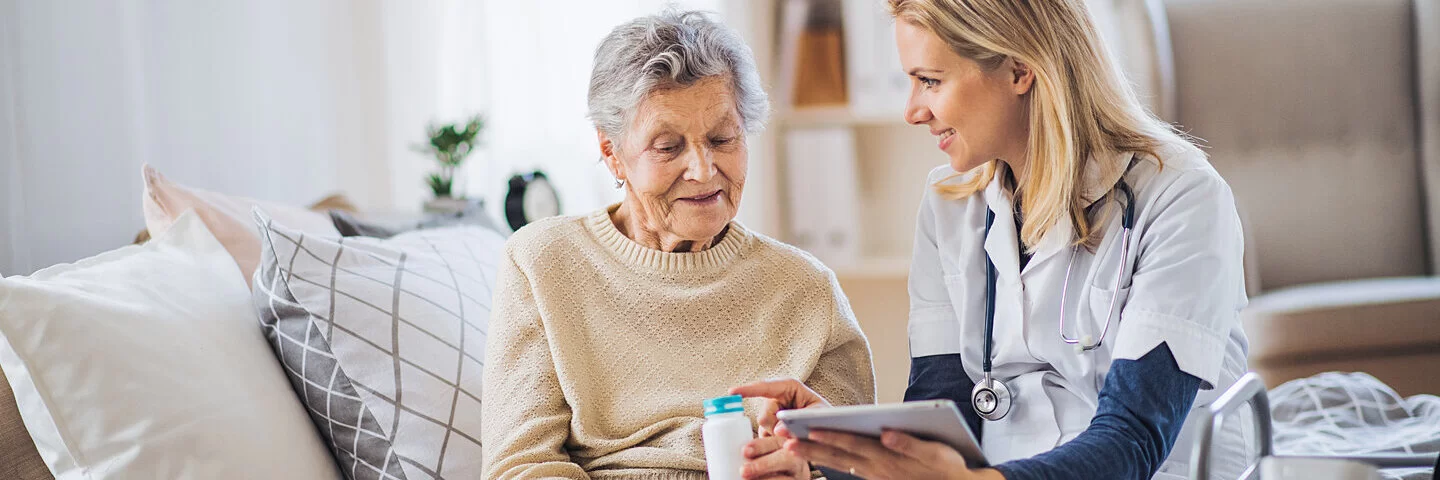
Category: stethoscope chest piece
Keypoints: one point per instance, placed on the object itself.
(991, 399)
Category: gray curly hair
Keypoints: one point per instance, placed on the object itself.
(671, 49)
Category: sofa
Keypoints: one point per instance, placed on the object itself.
(1324, 118)
(19, 460)
(249, 339)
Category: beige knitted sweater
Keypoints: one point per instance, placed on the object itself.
(600, 350)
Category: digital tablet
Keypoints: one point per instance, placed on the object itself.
(933, 420)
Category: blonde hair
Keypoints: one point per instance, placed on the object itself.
(1081, 108)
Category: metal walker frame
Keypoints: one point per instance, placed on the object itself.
(1250, 390)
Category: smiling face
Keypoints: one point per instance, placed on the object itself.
(683, 159)
(976, 114)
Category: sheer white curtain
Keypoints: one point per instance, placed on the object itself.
(265, 98)
(281, 100)
(9, 168)
(273, 99)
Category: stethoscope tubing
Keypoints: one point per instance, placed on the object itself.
(994, 394)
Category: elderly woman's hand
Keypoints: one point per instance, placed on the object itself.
(784, 394)
(764, 457)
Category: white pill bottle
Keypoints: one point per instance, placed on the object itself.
(725, 433)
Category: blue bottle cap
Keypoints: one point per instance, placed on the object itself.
(729, 404)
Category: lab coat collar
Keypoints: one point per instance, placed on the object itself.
(1101, 174)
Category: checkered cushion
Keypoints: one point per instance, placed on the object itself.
(384, 342)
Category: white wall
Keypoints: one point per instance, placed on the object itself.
(434, 71)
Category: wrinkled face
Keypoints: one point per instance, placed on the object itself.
(975, 115)
(683, 159)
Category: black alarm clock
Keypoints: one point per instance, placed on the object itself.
(531, 197)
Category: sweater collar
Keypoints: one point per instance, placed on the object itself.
(631, 252)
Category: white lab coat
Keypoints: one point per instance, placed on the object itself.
(1184, 286)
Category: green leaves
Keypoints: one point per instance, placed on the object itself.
(440, 185)
(450, 144)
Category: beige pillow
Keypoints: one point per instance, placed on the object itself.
(228, 217)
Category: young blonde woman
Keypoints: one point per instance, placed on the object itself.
(1077, 271)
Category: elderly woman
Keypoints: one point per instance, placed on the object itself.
(611, 329)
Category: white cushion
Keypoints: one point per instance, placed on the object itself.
(146, 362)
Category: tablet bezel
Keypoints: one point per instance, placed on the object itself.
(933, 420)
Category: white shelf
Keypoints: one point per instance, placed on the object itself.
(839, 115)
(876, 268)
(893, 160)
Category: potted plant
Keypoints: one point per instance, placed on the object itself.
(450, 144)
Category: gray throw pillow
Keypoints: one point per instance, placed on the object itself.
(474, 215)
(350, 226)
(383, 340)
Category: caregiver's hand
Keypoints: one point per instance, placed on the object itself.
(894, 456)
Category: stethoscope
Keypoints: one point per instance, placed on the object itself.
(991, 398)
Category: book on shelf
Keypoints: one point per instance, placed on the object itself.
(878, 86)
(791, 25)
(811, 59)
(821, 78)
(823, 193)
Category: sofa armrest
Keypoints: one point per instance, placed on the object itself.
(19, 460)
(1329, 321)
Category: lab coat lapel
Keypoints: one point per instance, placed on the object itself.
(1000, 244)
(1052, 245)
(1010, 326)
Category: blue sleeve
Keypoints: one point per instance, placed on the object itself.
(942, 377)
(1142, 407)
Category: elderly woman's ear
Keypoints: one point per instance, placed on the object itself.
(611, 159)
